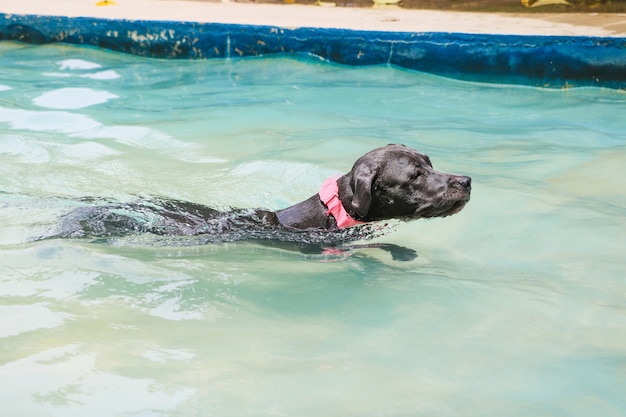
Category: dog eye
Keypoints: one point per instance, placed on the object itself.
(416, 174)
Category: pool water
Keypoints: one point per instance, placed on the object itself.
(514, 307)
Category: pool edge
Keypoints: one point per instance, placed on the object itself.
(538, 60)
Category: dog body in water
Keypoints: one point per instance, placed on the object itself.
(391, 182)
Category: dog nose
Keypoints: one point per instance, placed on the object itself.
(465, 182)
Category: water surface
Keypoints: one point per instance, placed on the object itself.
(513, 307)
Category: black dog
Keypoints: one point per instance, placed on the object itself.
(391, 182)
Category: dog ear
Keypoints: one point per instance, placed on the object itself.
(362, 180)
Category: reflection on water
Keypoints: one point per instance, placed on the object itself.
(70, 382)
(513, 307)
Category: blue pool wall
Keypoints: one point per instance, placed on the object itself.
(547, 61)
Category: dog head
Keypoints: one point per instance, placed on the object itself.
(395, 181)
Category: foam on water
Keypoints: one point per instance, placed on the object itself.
(512, 307)
(72, 98)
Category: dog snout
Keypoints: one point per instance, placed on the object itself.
(461, 182)
(465, 182)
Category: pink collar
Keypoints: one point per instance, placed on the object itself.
(329, 194)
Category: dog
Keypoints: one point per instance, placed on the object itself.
(390, 182)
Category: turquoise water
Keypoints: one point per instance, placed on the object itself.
(514, 307)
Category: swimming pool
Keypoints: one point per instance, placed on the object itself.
(513, 307)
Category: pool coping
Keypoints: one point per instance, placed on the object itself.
(548, 58)
(388, 19)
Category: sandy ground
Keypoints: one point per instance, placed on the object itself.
(290, 16)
